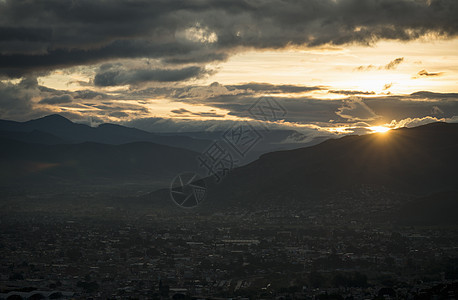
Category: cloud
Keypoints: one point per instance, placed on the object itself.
(180, 111)
(424, 73)
(413, 122)
(412, 106)
(354, 109)
(209, 114)
(108, 107)
(184, 112)
(179, 125)
(21, 101)
(272, 88)
(39, 36)
(389, 66)
(393, 64)
(387, 86)
(56, 100)
(213, 90)
(16, 99)
(119, 75)
(308, 110)
(119, 114)
(348, 93)
(190, 125)
(297, 109)
(88, 94)
(365, 68)
(434, 96)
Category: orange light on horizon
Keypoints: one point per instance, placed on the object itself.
(379, 129)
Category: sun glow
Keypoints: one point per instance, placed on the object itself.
(379, 129)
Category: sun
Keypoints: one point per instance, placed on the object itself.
(379, 129)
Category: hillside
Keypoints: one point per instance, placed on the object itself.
(415, 161)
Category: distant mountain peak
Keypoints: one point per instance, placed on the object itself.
(54, 118)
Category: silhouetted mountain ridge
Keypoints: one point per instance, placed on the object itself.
(56, 129)
(70, 132)
(416, 161)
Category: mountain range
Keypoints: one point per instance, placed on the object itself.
(53, 150)
(55, 129)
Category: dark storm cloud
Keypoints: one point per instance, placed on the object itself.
(16, 65)
(45, 35)
(30, 41)
(120, 76)
(25, 34)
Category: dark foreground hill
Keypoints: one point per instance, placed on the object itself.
(415, 161)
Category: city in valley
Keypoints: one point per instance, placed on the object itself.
(339, 250)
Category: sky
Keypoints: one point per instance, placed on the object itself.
(333, 66)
